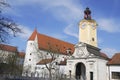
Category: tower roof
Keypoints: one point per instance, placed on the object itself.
(87, 11)
(87, 14)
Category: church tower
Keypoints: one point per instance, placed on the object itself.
(88, 29)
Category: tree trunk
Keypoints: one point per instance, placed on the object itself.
(50, 74)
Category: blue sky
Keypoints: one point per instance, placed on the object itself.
(60, 18)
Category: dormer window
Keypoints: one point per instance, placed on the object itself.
(68, 51)
(56, 45)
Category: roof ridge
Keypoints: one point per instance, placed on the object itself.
(55, 38)
(8, 45)
(117, 53)
(8, 48)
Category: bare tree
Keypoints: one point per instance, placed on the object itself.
(7, 26)
(49, 59)
(10, 65)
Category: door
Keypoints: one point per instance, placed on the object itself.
(80, 71)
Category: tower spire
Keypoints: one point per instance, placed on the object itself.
(87, 14)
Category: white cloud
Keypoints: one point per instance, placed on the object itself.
(100, 40)
(11, 11)
(26, 32)
(66, 10)
(59, 36)
(109, 51)
(109, 25)
(69, 12)
(71, 30)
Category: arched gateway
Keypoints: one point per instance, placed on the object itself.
(80, 71)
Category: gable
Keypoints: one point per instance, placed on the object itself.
(33, 35)
(83, 50)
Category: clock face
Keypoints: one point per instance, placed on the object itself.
(93, 26)
(83, 26)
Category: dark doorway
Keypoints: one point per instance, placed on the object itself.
(91, 75)
(80, 71)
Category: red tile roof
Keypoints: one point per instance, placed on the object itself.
(115, 60)
(8, 48)
(45, 61)
(21, 54)
(104, 55)
(32, 37)
(52, 44)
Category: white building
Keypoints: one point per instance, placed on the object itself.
(114, 67)
(10, 60)
(81, 61)
(7, 51)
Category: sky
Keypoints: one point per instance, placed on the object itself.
(60, 18)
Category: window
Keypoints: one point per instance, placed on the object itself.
(56, 63)
(58, 50)
(30, 43)
(35, 68)
(115, 75)
(47, 53)
(48, 43)
(93, 39)
(29, 59)
(56, 45)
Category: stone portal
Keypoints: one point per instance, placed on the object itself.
(80, 71)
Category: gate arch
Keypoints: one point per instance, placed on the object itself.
(80, 71)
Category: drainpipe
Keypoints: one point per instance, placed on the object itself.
(97, 69)
(109, 71)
